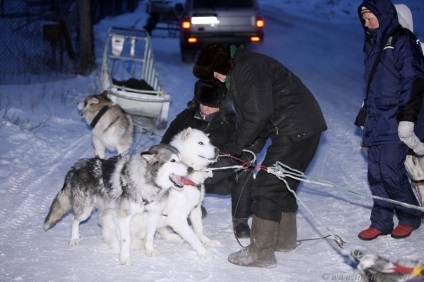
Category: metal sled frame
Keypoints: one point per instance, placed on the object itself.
(128, 55)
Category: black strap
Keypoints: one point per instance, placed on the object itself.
(99, 116)
(377, 59)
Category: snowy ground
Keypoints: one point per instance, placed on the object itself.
(42, 135)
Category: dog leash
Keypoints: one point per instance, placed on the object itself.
(339, 241)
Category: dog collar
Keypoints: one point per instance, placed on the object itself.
(99, 116)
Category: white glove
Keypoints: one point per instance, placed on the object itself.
(407, 136)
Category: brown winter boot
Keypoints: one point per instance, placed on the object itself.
(287, 233)
(260, 252)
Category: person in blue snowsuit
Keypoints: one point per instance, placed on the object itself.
(391, 117)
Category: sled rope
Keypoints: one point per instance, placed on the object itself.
(245, 165)
(339, 241)
(281, 170)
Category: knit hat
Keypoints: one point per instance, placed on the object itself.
(213, 58)
(365, 10)
(209, 93)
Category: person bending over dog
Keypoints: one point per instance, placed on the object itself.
(204, 113)
(272, 102)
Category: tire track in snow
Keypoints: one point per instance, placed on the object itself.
(27, 189)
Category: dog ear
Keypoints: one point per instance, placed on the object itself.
(187, 132)
(149, 154)
(104, 93)
(94, 101)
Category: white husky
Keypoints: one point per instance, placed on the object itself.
(197, 152)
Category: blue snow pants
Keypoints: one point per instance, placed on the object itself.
(388, 178)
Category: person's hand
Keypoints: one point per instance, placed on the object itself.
(407, 136)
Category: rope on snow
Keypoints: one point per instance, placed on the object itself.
(280, 175)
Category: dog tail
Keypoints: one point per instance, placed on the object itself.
(60, 206)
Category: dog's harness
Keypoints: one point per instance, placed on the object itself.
(99, 116)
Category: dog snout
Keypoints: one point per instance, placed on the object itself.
(216, 151)
(190, 170)
(80, 107)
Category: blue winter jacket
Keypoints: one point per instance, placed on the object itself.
(397, 89)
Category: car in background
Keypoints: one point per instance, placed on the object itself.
(219, 21)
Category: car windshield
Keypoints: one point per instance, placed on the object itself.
(213, 4)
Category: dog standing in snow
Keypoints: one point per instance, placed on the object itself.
(112, 127)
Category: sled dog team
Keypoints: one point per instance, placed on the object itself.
(136, 195)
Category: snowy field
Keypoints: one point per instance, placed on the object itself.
(42, 135)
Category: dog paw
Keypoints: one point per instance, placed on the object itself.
(205, 256)
(74, 242)
(152, 253)
(212, 243)
(205, 240)
(125, 261)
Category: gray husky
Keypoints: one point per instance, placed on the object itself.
(112, 127)
(124, 186)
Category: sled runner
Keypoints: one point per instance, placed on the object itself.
(128, 73)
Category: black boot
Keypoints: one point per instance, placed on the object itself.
(287, 233)
(241, 228)
(260, 252)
